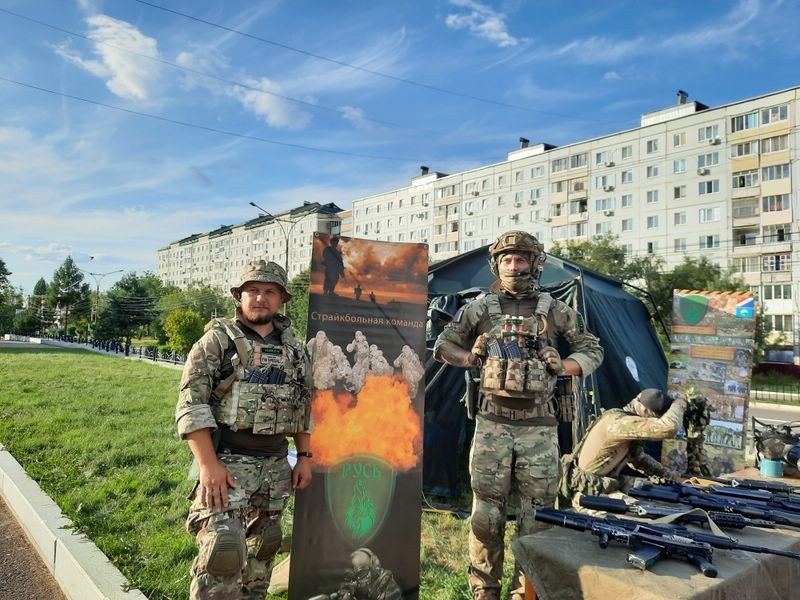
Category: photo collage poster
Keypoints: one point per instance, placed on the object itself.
(712, 353)
(357, 527)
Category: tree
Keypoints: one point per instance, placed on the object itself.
(131, 304)
(68, 291)
(40, 289)
(207, 301)
(26, 323)
(4, 274)
(183, 326)
(10, 302)
(297, 307)
(606, 255)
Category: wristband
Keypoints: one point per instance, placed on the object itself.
(304, 453)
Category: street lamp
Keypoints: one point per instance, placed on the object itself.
(286, 234)
(98, 277)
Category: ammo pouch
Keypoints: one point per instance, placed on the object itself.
(267, 409)
(517, 378)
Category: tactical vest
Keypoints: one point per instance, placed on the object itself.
(518, 388)
(267, 390)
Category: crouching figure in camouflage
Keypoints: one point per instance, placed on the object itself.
(511, 334)
(617, 439)
(245, 389)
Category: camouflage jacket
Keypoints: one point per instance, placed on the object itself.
(209, 362)
(562, 323)
(617, 439)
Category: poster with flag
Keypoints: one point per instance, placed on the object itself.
(712, 353)
(357, 527)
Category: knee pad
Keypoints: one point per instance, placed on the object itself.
(226, 557)
(487, 522)
(270, 541)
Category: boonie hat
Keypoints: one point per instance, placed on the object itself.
(264, 272)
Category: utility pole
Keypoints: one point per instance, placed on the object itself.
(98, 277)
(286, 234)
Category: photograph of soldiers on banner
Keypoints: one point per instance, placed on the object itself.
(357, 530)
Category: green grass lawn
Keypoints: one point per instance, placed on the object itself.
(97, 434)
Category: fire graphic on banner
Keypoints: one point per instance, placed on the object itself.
(379, 421)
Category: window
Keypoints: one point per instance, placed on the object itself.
(577, 185)
(518, 177)
(775, 172)
(535, 216)
(537, 193)
(652, 196)
(627, 152)
(501, 201)
(604, 204)
(468, 207)
(559, 164)
(778, 292)
(577, 207)
(744, 179)
(652, 247)
(679, 191)
(680, 218)
(708, 187)
(775, 203)
(537, 171)
(578, 160)
(678, 139)
(558, 186)
(627, 224)
(745, 208)
(708, 215)
(776, 262)
(412, 201)
(652, 171)
(627, 200)
(559, 233)
(774, 144)
(745, 237)
(518, 198)
(777, 233)
(603, 228)
(484, 203)
(602, 157)
(501, 221)
(484, 224)
(679, 165)
(707, 133)
(652, 222)
(602, 181)
(484, 184)
(556, 210)
(577, 230)
(747, 264)
(628, 248)
(502, 180)
(358, 228)
(774, 114)
(778, 322)
(708, 160)
(627, 176)
(742, 122)
(680, 244)
(652, 146)
(744, 149)
(709, 241)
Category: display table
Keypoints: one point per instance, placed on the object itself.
(564, 564)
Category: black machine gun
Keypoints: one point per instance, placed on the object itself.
(755, 484)
(697, 498)
(647, 543)
(649, 510)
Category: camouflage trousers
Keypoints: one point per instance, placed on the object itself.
(237, 545)
(505, 457)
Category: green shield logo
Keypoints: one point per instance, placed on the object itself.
(692, 308)
(359, 490)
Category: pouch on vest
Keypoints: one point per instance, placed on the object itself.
(515, 375)
(537, 379)
(493, 375)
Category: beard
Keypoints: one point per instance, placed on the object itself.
(260, 320)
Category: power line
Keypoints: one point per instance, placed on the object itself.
(207, 128)
(216, 77)
(365, 69)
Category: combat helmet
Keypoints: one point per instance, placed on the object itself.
(264, 272)
(520, 242)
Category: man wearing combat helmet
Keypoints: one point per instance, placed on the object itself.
(511, 334)
(244, 389)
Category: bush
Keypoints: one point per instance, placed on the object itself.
(183, 326)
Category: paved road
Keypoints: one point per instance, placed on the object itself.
(23, 576)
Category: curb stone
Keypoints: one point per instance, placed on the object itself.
(80, 569)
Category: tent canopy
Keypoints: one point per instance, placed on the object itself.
(633, 358)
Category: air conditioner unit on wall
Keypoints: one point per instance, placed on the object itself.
(476, 193)
(702, 171)
(532, 202)
(714, 141)
(609, 163)
(547, 219)
(608, 188)
(469, 233)
(608, 213)
(469, 213)
(517, 204)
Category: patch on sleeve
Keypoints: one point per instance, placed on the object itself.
(580, 324)
(459, 314)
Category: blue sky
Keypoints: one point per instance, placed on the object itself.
(83, 179)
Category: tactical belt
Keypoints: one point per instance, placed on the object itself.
(516, 409)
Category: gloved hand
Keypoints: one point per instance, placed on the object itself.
(479, 347)
(552, 360)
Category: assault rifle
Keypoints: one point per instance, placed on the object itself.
(647, 543)
(683, 494)
(653, 511)
(755, 484)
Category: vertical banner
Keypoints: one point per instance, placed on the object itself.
(357, 526)
(712, 352)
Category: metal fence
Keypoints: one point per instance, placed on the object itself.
(116, 347)
(781, 394)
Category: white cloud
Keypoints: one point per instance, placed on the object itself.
(127, 75)
(482, 21)
(275, 111)
(356, 116)
(611, 76)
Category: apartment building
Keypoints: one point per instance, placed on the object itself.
(217, 257)
(691, 180)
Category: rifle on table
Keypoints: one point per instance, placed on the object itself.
(755, 484)
(649, 510)
(647, 545)
(760, 498)
(714, 502)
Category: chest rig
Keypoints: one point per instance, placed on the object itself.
(266, 391)
(514, 382)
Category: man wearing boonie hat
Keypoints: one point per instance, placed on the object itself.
(245, 388)
(617, 439)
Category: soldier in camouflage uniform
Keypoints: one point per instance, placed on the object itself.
(617, 439)
(244, 389)
(515, 440)
(366, 580)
